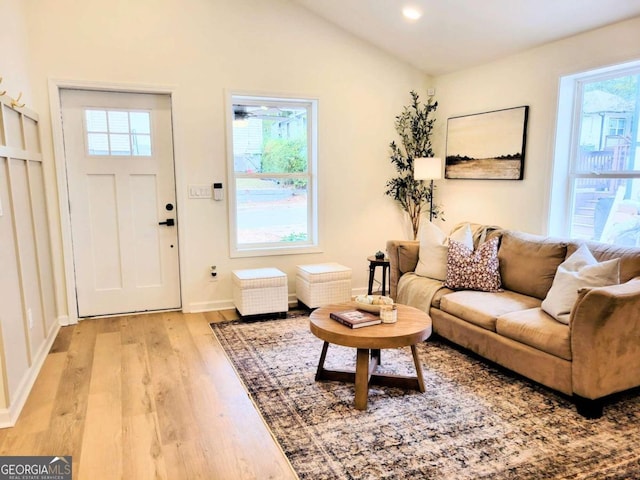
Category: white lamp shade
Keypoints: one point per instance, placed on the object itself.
(427, 168)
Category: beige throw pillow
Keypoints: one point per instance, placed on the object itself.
(434, 245)
(580, 270)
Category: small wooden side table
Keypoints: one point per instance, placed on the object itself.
(386, 271)
(413, 326)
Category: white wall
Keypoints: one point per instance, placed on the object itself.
(13, 61)
(28, 320)
(530, 78)
(202, 47)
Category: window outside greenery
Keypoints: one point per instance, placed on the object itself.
(273, 182)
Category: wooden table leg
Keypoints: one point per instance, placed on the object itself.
(323, 356)
(362, 379)
(372, 274)
(416, 361)
(375, 354)
(384, 280)
(366, 363)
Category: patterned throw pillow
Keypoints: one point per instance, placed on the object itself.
(469, 270)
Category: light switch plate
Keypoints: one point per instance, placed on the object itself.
(200, 191)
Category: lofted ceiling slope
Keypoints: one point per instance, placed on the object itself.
(456, 34)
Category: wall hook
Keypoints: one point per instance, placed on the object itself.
(4, 91)
(16, 103)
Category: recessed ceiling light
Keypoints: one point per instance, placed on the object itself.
(411, 13)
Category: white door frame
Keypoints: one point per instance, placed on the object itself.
(55, 85)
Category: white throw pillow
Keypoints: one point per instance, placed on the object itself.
(580, 270)
(434, 245)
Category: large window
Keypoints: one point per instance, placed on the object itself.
(602, 156)
(272, 165)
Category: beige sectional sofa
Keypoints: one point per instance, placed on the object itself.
(595, 355)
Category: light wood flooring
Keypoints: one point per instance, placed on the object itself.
(145, 397)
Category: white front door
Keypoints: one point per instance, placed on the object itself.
(122, 201)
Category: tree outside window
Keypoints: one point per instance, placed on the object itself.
(273, 204)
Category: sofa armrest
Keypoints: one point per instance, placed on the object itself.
(605, 340)
(403, 258)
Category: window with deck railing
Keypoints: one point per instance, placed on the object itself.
(598, 157)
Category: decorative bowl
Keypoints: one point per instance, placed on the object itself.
(365, 302)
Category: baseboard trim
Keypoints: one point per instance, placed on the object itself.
(9, 416)
(198, 307)
(65, 320)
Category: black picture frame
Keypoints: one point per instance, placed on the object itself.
(487, 146)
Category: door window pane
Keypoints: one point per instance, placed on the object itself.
(119, 122)
(142, 145)
(118, 132)
(140, 122)
(96, 120)
(120, 144)
(98, 143)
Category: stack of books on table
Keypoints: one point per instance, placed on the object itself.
(355, 318)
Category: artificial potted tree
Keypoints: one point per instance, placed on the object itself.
(414, 126)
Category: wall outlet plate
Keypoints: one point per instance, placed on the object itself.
(213, 274)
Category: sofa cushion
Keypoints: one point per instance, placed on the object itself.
(434, 245)
(483, 308)
(408, 256)
(535, 328)
(437, 298)
(477, 270)
(580, 270)
(528, 263)
(629, 257)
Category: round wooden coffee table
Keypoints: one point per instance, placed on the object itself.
(413, 326)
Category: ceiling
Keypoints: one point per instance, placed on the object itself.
(456, 34)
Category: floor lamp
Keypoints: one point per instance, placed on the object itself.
(428, 168)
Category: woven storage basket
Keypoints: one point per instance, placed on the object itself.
(260, 290)
(322, 284)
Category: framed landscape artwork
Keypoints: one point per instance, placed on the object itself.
(487, 146)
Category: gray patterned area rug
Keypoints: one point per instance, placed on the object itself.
(475, 420)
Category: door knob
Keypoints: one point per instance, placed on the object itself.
(169, 222)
